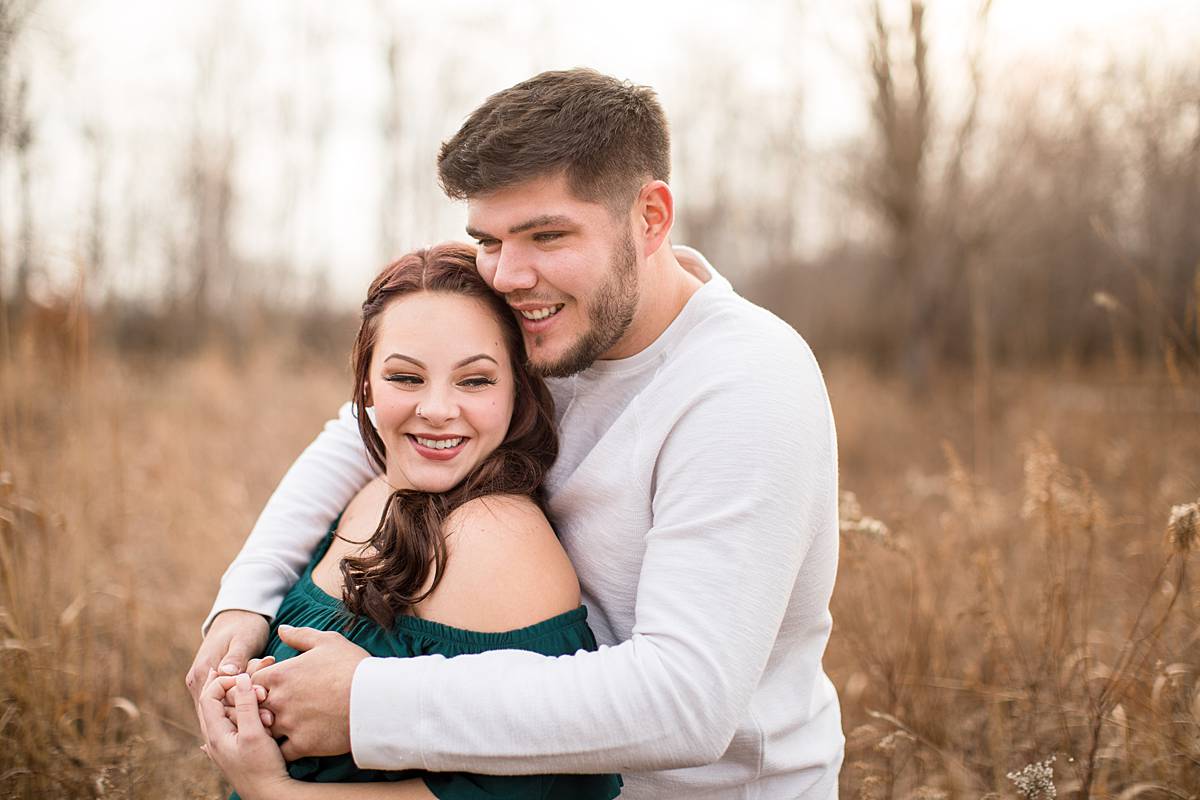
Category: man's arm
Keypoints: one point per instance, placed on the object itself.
(744, 486)
(315, 489)
(319, 484)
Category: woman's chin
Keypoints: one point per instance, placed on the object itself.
(434, 481)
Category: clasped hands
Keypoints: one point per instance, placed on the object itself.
(245, 705)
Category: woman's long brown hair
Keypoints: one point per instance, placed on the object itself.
(409, 541)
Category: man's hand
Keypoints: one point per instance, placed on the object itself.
(232, 640)
(310, 693)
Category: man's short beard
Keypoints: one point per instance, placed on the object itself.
(610, 314)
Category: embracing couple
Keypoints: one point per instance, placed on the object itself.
(575, 533)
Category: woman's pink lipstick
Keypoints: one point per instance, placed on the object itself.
(434, 454)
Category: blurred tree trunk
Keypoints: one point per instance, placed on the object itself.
(392, 130)
(23, 144)
(13, 16)
(211, 193)
(96, 247)
(900, 114)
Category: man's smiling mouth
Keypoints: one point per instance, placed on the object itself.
(536, 314)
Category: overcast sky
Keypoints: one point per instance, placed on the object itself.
(133, 71)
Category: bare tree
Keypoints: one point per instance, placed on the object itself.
(894, 182)
(15, 129)
(22, 141)
(95, 246)
(392, 131)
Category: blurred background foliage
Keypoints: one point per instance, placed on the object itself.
(917, 184)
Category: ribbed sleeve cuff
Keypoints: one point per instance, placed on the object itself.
(257, 587)
(385, 712)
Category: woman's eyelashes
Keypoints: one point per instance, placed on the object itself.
(473, 382)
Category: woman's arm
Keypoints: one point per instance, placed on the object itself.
(414, 789)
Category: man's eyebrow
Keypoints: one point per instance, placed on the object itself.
(529, 224)
(476, 357)
(409, 359)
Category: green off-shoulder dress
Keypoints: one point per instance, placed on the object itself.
(308, 606)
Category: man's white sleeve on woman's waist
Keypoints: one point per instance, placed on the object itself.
(744, 483)
(318, 486)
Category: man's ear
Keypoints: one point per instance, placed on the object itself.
(655, 209)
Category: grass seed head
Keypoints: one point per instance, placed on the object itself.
(1035, 781)
(1184, 526)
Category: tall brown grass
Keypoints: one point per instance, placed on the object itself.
(125, 489)
(982, 626)
(1047, 614)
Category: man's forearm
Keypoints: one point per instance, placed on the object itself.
(318, 486)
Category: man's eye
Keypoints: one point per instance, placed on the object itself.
(547, 236)
(411, 380)
(486, 244)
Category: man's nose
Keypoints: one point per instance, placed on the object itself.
(514, 272)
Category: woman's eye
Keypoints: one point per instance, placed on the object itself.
(404, 379)
(474, 383)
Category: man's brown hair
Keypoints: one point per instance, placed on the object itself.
(608, 137)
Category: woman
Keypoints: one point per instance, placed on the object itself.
(448, 551)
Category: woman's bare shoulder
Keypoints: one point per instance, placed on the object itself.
(505, 568)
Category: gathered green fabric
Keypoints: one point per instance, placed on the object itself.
(308, 606)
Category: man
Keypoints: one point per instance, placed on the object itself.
(695, 491)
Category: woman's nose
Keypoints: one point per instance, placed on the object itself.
(437, 408)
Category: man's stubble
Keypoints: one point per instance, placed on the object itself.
(610, 313)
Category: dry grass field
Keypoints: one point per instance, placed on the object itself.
(1008, 591)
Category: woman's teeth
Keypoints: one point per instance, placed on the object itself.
(542, 313)
(439, 444)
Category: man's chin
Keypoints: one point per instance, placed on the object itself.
(561, 365)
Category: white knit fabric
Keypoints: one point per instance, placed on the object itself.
(696, 494)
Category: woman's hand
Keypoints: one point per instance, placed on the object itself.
(242, 748)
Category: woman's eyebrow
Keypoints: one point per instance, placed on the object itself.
(409, 359)
(475, 357)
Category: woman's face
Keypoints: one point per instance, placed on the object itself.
(442, 387)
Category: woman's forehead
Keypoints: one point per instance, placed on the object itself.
(441, 324)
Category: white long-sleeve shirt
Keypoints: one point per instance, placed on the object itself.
(696, 494)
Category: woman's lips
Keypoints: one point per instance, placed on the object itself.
(438, 453)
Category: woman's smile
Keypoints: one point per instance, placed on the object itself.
(438, 448)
